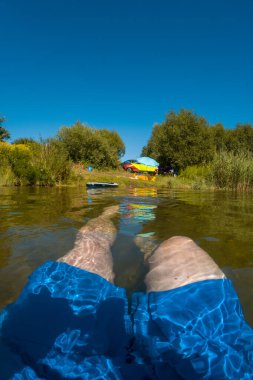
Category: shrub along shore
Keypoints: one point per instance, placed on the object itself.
(204, 156)
(226, 171)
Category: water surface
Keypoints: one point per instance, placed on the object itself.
(38, 224)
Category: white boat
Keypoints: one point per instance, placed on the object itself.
(92, 185)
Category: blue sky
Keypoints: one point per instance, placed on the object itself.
(123, 64)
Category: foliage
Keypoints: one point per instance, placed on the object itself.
(4, 134)
(50, 162)
(25, 141)
(181, 140)
(43, 164)
(17, 158)
(219, 137)
(114, 140)
(240, 139)
(201, 172)
(99, 148)
(7, 176)
(226, 171)
(185, 139)
(232, 171)
(28, 162)
(207, 156)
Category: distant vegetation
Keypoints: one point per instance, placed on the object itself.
(185, 139)
(209, 155)
(51, 161)
(204, 156)
(98, 147)
(4, 134)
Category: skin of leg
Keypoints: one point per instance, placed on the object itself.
(92, 248)
(178, 261)
(147, 245)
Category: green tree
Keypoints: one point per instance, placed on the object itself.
(114, 140)
(182, 139)
(218, 136)
(89, 145)
(244, 136)
(4, 134)
(240, 139)
(25, 141)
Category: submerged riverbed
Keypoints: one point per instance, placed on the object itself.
(39, 224)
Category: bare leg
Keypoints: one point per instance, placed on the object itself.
(146, 244)
(179, 261)
(92, 246)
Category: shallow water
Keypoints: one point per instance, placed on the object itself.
(37, 224)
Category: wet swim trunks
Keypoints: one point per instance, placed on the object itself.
(72, 324)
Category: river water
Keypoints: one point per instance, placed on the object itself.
(39, 224)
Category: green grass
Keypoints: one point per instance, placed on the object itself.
(229, 171)
(80, 176)
(7, 177)
(226, 171)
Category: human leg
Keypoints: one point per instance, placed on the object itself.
(91, 250)
(191, 320)
(179, 261)
(69, 322)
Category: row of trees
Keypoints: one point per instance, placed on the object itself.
(182, 140)
(49, 161)
(99, 147)
(185, 139)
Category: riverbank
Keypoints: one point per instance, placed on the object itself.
(80, 176)
(48, 164)
(215, 176)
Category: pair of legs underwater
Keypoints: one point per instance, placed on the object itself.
(72, 322)
(176, 262)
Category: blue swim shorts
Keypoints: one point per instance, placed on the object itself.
(72, 324)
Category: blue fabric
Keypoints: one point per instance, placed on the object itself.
(72, 324)
(147, 161)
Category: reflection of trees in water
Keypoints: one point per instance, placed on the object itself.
(35, 205)
(5, 250)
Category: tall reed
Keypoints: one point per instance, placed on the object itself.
(230, 171)
(44, 163)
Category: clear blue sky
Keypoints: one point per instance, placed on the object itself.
(123, 64)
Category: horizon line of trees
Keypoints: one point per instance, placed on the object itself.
(182, 139)
(46, 162)
(186, 139)
(82, 143)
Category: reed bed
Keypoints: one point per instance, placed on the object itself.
(48, 164)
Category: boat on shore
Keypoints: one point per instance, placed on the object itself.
(92, 185)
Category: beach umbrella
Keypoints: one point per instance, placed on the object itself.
(147, 161)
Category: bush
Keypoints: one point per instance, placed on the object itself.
(50, 162)
(7, 176)
(196, 172)
(45, 164)
(17, 158)
(100, 148)
(233, 171)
